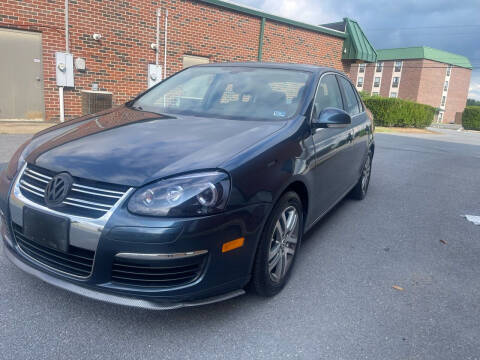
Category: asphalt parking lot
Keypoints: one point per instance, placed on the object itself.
(340, 302)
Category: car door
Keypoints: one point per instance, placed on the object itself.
(331, 148)
(358, 147)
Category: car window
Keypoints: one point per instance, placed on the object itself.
(351, 103)
(229, 92)
(328, 95)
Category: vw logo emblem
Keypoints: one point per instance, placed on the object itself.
(57, 189)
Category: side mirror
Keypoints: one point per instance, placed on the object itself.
(332, 118)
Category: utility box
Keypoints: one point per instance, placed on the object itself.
(64, 69)
(154, 74)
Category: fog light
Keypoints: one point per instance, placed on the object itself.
(234, 244)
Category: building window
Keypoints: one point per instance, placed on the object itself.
(444, 99)
(449, 70)
(360, 81)
(398, 66)
(395, 81)
(376, 82)
(445, 87)
(375, 93)
(440, 117)
(393, 94)
(190, 60)
(361, 68)
(379, 66)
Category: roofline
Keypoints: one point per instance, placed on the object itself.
(426, 57)
(261, 14)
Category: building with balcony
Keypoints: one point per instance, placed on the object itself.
(422, 74)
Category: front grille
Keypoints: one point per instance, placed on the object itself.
(157, 273)
(76, 261)
(87, 198)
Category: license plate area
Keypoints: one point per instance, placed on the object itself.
(45, 229)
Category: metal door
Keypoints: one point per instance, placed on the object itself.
(21, 75)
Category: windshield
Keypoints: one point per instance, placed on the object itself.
(229, 92)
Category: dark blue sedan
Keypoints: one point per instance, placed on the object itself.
(198, 187)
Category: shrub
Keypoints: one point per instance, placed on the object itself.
(399, 112)
(471, 118)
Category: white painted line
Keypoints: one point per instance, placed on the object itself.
(473, 218)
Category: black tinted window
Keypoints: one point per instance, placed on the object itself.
(351, 102)
(328, 95)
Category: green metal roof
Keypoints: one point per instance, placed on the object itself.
(356, 46)
(424, 52)
(262, 14)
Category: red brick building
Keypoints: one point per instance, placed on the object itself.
(113, 42)
(422, 74)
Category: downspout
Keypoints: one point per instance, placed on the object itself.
(165, 53)
(67, 48)
(159, 12)
(260, 39)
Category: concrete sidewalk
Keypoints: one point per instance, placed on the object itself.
(27, 127)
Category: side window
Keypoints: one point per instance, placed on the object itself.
(351, 102)
(328, 95)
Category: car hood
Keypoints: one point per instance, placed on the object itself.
(131, 147)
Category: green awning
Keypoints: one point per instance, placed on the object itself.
(356, 46)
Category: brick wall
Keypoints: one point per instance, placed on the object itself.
(119, 61)
(457, 95)
(386, 78)
(431, 83)
(410, 79)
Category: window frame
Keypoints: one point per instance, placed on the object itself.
(379, 65)
(395, 84)
(344, 96)
(358, 83)
(393, 92)
(395, 66)
(443, 101)
(316, 91)
(362, 68)
(379, 81)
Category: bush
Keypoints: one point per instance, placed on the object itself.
(399, 112)
(471, 118)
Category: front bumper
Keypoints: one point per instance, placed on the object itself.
(223, 275)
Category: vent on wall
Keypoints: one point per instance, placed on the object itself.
(95, 101)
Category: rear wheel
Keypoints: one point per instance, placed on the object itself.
(278, 246)
(360, 190)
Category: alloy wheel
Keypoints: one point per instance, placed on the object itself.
(283, 243)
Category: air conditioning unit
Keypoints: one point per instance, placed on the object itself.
(95, 101)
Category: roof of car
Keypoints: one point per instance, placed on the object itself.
(288, 66)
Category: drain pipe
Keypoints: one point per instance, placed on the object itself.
(67, 48)
(159, 12)
(165, 53)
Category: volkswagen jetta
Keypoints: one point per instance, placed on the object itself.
(198, 187)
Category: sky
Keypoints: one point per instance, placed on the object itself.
(444, 24)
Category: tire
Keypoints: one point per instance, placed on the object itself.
(277, 247)
(360, 190)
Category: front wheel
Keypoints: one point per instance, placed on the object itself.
(360, 190)
(278, 246)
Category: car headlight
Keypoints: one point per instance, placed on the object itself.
(187, 195)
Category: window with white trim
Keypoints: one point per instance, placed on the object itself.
(395, 81)
(398, 66)
(393, 94)
(376, 82)
(449, 70)
(379, 66)
(440, 117)
(375, 93)
(444, 99)
(360, 81)
(361, 68)
(445, 86)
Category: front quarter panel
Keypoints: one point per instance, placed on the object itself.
(261, 174)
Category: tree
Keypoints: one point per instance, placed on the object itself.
(473, 102)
